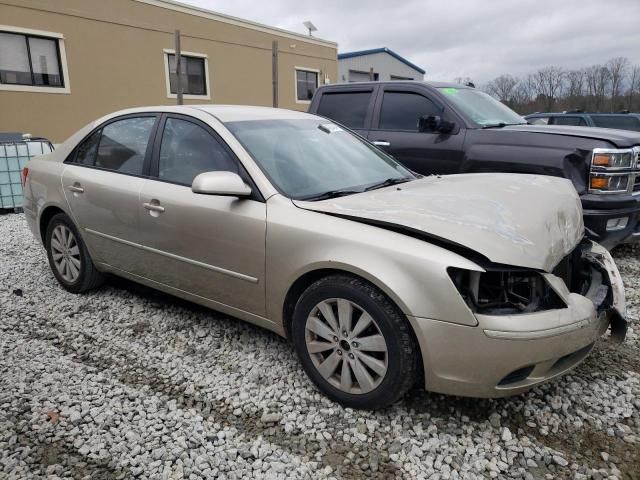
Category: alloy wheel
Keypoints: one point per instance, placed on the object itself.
(346, 346)
(66, 253)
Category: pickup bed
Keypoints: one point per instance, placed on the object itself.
(440, 128)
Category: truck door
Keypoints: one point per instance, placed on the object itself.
(395, 129)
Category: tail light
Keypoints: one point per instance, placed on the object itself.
(25, 173)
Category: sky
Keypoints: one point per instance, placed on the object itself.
(479, 39)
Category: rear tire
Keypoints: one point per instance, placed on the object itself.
(68, 256)
(354, 343)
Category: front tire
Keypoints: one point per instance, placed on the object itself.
(354, 343)
(68, 256)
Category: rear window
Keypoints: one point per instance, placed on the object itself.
(347, 108)
(622, 122)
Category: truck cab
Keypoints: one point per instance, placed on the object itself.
(443, 128)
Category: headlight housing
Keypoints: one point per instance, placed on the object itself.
(505, 292)
(615, 170)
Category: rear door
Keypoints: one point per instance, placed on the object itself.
(395, 129)
(207, 245)
(350, 106)
(102, 183)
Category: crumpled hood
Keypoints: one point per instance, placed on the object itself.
(521, 220)
(620, 138)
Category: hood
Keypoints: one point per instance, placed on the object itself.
(620, 138)
(520, 220)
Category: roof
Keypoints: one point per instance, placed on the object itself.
(237, 113)
(398, 82)
(221, 17)
(577, 114)
(373, 51)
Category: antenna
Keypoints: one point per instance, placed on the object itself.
(310, 26)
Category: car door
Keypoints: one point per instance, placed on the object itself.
(350, 106)
(102, 182)
(395, 129)
(207, 245)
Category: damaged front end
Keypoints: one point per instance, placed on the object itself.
(588, 271)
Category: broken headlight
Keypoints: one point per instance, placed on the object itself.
(505, 292)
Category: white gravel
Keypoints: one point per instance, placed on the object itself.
(128, 382)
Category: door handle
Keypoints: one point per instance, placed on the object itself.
(381, 143)
(75, 188)
(153, 207)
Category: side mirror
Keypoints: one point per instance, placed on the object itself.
(434, 123)
(228, 184)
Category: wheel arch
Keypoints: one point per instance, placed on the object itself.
(306, 279)
(45, 217)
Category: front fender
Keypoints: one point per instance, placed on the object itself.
(412, 272)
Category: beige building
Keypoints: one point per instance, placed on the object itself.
(64, 63)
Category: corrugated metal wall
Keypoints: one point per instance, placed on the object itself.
(383, 64)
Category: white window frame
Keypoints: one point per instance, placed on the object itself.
(295, 82)
(63, 62)
(165, 60)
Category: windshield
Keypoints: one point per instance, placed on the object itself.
(481, 108)
(305, 159)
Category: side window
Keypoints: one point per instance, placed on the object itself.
(348, 108)
(567, 120)
(123, 145)
(402, 110)
(622, 122)
(187, 150)
(86, 154)
(538, 120)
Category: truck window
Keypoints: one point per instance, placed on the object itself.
(568, 120)
(538, 120)
(347, 108)
(402, 110)
(622, 122)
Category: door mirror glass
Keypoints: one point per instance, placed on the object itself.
(220, 183)
(434, 123)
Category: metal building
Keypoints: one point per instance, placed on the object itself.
(376, 64)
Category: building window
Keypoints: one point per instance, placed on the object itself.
(32, 60)
(195, 75)
(306, 84)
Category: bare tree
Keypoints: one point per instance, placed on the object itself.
(598, 79)
(618, 68)
(575, 83)
(548, 83)
(634, 84)
(502, 88)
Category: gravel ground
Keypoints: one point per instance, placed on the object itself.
(128, 382)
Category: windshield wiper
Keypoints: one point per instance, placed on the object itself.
(386, 183)
(330, 194)
(501, 124)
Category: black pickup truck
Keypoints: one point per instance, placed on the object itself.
(441, 128)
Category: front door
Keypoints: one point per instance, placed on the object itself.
(102, 183)
(207, 245)
(395, 129)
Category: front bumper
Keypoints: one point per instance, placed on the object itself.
(599, 209)
(509, 354)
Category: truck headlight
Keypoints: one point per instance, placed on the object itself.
(505, 292)
(614, 170)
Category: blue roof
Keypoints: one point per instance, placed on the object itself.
(371, 51)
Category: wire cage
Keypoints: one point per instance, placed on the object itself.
(14, 155)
